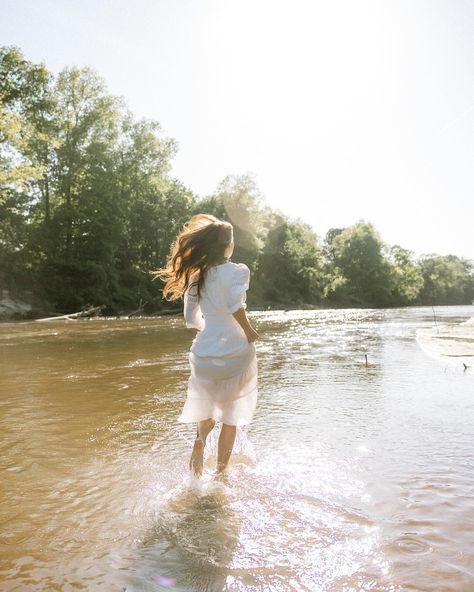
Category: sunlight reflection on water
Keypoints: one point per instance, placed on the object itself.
(354, 475)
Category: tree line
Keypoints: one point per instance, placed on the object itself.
(88, 207)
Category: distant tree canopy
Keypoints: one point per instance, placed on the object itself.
(359, 273)
(88, 207)
(446, 280)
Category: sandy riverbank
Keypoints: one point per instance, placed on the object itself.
(453, 344)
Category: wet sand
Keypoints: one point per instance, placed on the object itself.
(450, 343)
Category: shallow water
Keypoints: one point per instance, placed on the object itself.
(349, 478)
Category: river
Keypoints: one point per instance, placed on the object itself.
(351, 477)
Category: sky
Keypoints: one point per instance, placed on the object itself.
(341, 110)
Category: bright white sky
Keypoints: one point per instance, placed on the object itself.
(342, 110)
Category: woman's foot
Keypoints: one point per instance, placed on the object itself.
(197, 457)
(222, 477)
(220, 468)
(220, 474)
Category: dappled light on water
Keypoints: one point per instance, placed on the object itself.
(356, 473)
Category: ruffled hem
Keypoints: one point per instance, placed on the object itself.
(239, 412)
(231, 400)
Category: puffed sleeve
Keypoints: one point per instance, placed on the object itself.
(238, 288)
(192, 311)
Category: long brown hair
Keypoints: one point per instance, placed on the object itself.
(200, 243)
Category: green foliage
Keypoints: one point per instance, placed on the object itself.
(88, 208)
(24, 99)
(291, 267)
(447, 280)
(406, 276)
(85, 188)
(359, 275)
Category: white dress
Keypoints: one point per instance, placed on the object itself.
(223, 380)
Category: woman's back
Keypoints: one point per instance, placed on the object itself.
(223, 292)
(222, 286)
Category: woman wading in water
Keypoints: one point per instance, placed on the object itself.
(223, 380)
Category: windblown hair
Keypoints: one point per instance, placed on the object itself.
(200, 244)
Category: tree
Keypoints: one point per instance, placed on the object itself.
(406, 276)
(25, 131)
(447, 280)
(88, 208)
(359, 273)
(291, 267)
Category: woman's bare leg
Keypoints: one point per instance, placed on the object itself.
(225, 445)
(197, 456)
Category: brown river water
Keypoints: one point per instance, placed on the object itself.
(349, 478)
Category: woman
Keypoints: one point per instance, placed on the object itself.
(223, 382)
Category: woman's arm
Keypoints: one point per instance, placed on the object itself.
(192, 313)
(192, 310)
(240, 316)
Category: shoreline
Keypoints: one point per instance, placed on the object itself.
(23, 307)
(40, 316)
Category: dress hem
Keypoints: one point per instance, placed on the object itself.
(238, 425)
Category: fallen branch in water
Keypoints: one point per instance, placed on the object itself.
(75, 315)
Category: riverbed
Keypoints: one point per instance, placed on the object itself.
(356, 473)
